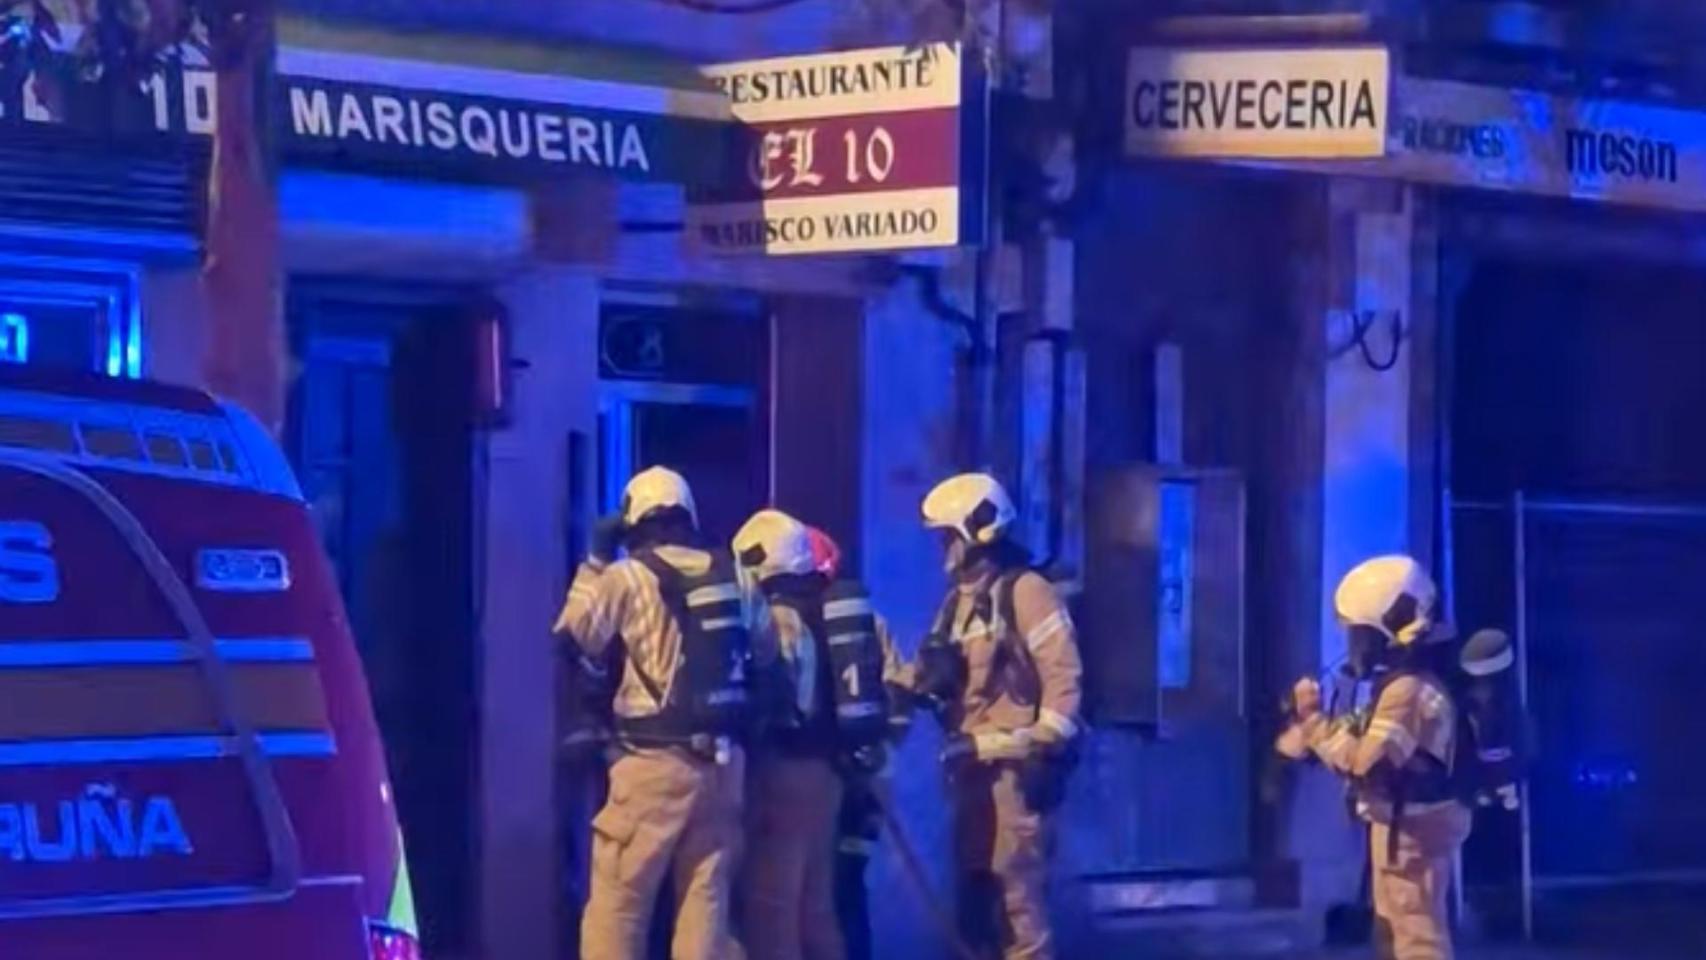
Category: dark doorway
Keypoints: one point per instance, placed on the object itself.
(688, 389)
(381, 431)
(1577, 383)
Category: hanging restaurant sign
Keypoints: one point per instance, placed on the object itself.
(862, 151)
(1270, 104)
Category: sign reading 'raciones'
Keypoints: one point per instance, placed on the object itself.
(1257, 103)
(847, 152)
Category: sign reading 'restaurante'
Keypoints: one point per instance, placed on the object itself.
(863, 151)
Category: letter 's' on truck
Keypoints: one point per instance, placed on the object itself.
(188, 755)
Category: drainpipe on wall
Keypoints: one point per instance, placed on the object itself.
(245, 355)
(982, 361)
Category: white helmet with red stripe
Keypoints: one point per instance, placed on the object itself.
(773, 544)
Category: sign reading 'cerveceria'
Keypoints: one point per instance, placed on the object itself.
(847, 152)
(1257, 103)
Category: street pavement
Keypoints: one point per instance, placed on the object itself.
(1529, 953)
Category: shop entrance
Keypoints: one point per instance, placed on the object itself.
(1578, 492)
(383, 444)
(682, 388)
(686, 389)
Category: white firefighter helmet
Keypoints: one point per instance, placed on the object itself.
(655, 489)
(974, 505)
(772, 544)
(1391, 594)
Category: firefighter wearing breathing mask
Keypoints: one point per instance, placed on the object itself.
(825, 736)
(691, 641)
(1399, 756)
(1001, 666)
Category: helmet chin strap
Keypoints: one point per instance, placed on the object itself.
(954, 559)
(747, 578)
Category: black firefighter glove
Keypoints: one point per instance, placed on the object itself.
(941, 673)
(1043, 774)
(606, 538)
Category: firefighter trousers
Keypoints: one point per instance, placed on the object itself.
(788, 887)
(1002, 844)
(1412, 882)
(670, 816)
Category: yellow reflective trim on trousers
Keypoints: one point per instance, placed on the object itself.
(401, 914)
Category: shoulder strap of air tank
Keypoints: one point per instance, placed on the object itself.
(944, 622)
(1007, 606)
(654, 689)
(668, 577)
(672, 586)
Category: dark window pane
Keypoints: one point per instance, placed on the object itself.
(166, 451)
(117, 443)
(36, 434)
(201, 455)
(228, 457)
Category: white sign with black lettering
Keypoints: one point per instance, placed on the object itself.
(1266, 104)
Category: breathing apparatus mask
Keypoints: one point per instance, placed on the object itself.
(1367, 650)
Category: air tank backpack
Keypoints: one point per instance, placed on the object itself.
(856, 660)
(708, 696)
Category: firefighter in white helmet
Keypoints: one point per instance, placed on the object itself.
(1400, 755)
(691, 640)
(1002, 667)
(829, 727)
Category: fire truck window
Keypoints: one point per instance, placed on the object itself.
(33, 433)
(167, 451)
(201, 455)
(116, 443)
(228, 458)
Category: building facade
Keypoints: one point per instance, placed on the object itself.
(1221, 354)
(1409, 327)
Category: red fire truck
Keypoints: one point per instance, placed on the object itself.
(189, 763)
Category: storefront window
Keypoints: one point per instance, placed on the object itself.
(69, 316)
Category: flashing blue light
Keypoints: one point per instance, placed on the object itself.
(14, 338)
(1605, 776)
(115, 351)
(133, 346)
